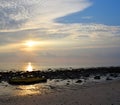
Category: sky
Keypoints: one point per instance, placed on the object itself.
(60, 32)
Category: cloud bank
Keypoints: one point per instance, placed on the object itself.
(16, 14)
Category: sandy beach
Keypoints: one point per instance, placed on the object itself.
(104, 93)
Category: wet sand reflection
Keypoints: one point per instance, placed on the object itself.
(31, 90)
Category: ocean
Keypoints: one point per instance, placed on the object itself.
(30, 66)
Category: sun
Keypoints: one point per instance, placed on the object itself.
(30, 43)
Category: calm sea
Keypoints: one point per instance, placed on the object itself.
(29, 66)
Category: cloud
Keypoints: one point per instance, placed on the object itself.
(76, 35)
(22, 19)
(13, 14)
(24, 14)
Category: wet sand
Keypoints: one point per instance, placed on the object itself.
(105, 93)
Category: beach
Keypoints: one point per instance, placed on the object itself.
(92, 86)
(59, 52)
(102, 93)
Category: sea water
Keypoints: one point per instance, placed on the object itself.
(30, 66)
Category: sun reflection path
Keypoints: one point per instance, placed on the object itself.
(31, 90)
(27, 90)
(29, 67)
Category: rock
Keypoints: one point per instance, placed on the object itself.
(68, 81)
(86, 75)
(97, 77)
(67, 84)
(26, 81)
(78, 81)
(114, 75)
(56, 80)
(108, 78)
(52, 87)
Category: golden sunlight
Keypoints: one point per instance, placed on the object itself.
(29, 67)
(33, 45)
(30, 43)
(27, 90)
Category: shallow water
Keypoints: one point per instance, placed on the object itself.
(40, 88)
(50, 86)
(22, 90)
(29, 66)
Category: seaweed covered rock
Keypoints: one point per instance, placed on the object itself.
(26, 81)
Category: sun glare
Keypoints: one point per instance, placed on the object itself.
(33, 45)
(30, 43)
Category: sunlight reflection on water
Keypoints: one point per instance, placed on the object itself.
(31, 90)
(23, 90)
(29, 67)
(27, 90)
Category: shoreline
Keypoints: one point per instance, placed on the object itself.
(105, 93)
(96, 86)
(63, 73)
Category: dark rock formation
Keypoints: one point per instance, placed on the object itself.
(97, 77)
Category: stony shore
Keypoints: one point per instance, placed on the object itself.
(60, 73)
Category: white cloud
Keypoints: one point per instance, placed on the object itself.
(32, 13)
(21, 19)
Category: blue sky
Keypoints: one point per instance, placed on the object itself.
(100, 12)
(62, 32)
